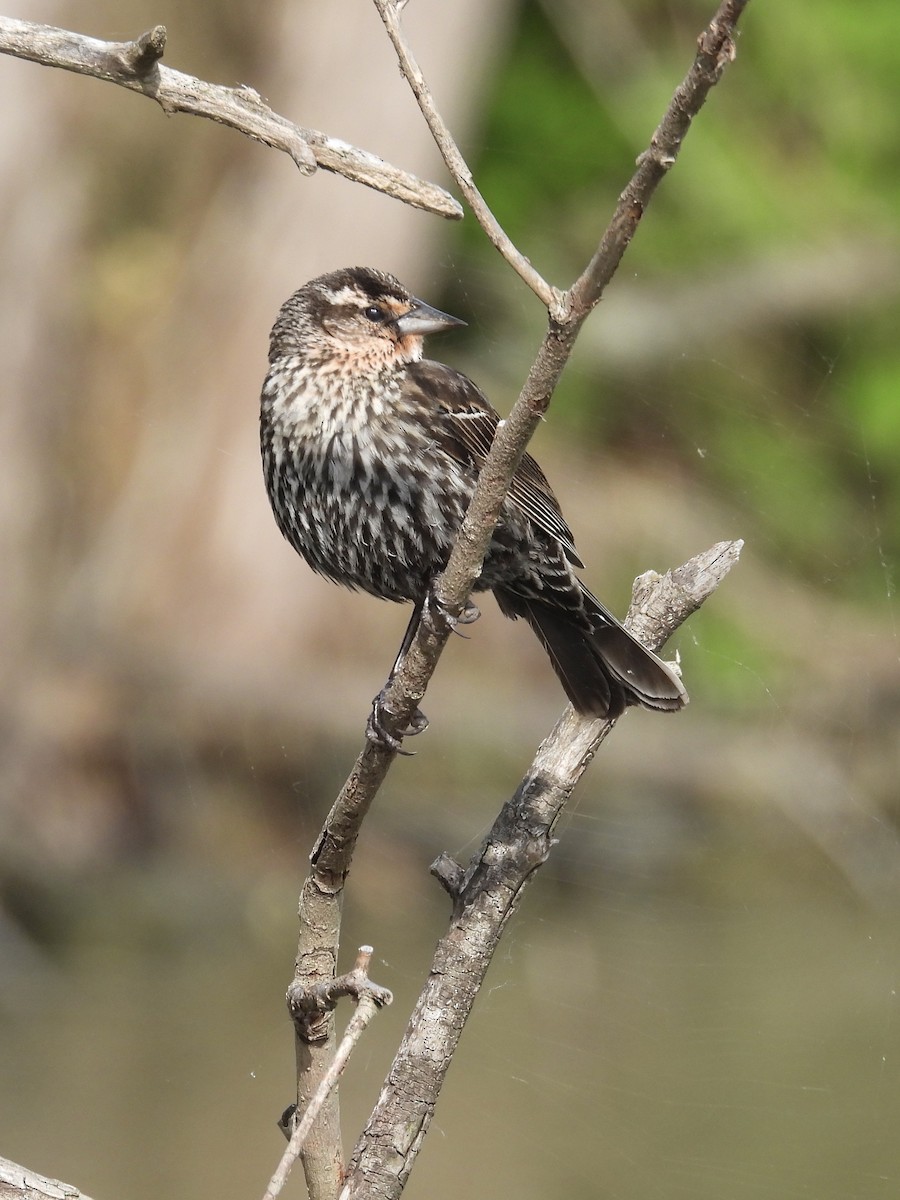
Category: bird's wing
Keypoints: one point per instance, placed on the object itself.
(467, 431)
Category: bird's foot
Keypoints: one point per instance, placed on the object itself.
(469, 614)
(377, 733)
(439, 617)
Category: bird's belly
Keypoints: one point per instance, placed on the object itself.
(366, 521)
(383, 518)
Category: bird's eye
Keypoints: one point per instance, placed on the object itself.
(374, 313)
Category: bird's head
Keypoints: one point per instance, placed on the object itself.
(355, 317)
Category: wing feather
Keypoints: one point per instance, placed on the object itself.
(467, 431)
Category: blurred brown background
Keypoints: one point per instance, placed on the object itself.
(698, 997)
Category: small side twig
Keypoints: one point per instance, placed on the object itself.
(449, 875)
(303, 1002)
(307, 1002)
(142, 55)
(136, 65)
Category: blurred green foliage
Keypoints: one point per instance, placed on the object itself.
(796, 152)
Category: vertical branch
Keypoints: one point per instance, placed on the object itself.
(318, 944)
(315, 1043)
(306, 1004)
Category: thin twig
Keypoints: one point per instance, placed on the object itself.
(389, 11)
(136, 65)
(369, 999)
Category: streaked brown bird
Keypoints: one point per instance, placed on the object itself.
(371, 454)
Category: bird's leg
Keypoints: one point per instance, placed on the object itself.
(407, 639)
(429, 609)
(375, 730)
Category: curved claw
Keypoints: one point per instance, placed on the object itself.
(434, 611)
(376, 732)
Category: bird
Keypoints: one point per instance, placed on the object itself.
(371, 453)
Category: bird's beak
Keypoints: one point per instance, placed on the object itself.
(422, 319)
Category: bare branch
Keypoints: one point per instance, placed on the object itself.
(389, 11)
(489, 890)
(136, 66)
(18, 1183)
(369, 999)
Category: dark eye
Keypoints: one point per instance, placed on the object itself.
(374, 313)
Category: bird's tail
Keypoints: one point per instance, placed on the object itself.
(601, 666)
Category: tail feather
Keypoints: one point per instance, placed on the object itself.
(601, 666)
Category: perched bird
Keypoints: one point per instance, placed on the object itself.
(371, 454)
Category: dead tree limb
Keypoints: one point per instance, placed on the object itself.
(487, 893)
(18, 1183)
(136, 65)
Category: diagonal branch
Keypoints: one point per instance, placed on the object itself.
(389, 11)
(20, 1183)
(514, 433)
(716, 49)
(487, 892)
(136, 65)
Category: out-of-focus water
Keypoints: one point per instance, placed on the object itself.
(730, 1033)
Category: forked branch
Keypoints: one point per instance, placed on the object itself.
(320, 900)
(486, 893)
(303, 1003)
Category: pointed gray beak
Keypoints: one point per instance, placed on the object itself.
(422, 319)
